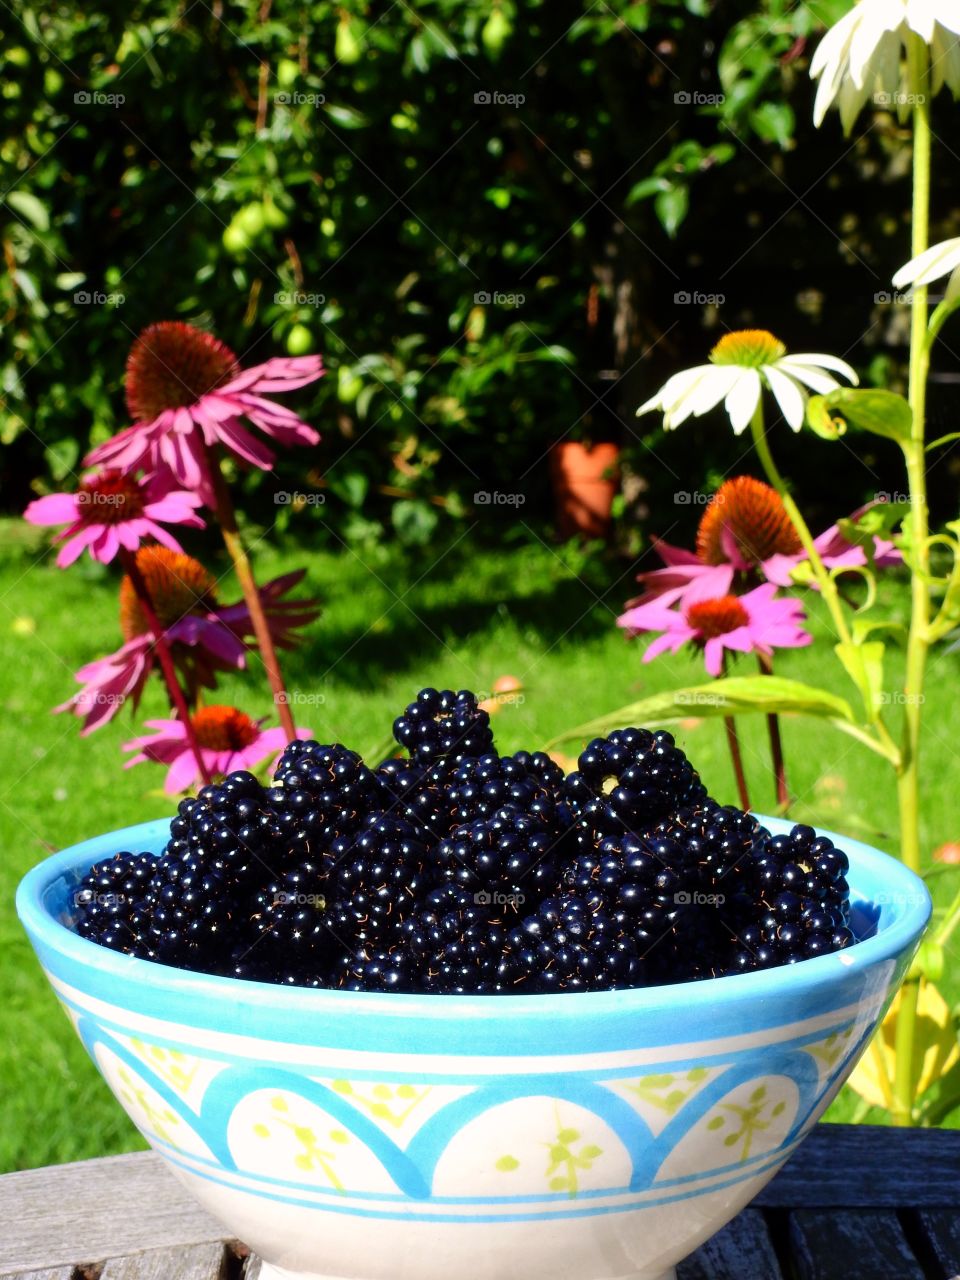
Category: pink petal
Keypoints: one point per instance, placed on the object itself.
(72, 550)
(159, 534)
(126, 450)
(239, 441)
(55, 508)
(182, 774)
(713, 655)
(675, 555)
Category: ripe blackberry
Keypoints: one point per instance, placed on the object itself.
(369, 969)
(231, 827)
(290, 941)
(631, 780)
(802, 901)
(455, 943)
(569, 944)
(648, 887)
(320, 792)
(375, 877)
(444, 725)
(108, 903)
(482, 785)
(418, 794)
(511, 855)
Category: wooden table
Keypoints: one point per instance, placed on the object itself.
(855, 1203)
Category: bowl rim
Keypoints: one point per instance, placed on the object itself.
(785, 981)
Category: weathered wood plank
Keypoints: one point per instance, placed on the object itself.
(251, 1269)
(838, 1245)
(54, 1273)
(847, 1166)
(742, 1250)
(190, 1262)
(936, 1240)
(74, 1213)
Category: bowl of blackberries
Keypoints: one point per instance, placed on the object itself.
(386, 1019)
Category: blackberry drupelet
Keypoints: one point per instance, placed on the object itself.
(569, 944)
(110, 901)
(369, 969)
(455, 943)
(630, 781)
(444, 725)
(513, 855)
(320, 792)
(482, 785)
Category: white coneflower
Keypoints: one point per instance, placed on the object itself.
(741, 365)
(939, 260)
(862, 56)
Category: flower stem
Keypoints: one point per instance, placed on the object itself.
(241, 563)
(177, 698)
(828, 587)
(776, 744)
(733, 742)
(918, 640)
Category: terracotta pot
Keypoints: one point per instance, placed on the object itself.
(585, 482)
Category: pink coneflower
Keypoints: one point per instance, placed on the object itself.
(757, 622)
(186, 392)
(228, 740)
(835, 552)
(111, 511)
(204, 637)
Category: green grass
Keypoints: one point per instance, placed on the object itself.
(544, 616)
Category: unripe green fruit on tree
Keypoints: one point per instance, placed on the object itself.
(235, 239)
(288, 72)
(496, 31)
(299, 340)
(348, 48)
(250, 218)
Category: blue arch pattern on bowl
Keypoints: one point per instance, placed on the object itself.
(177, 1002)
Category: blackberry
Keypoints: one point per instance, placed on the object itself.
(482, 785)
(231, 827)
(418, 794)
(648, 886)
(802, 901)
(444, 725)
(320, 792)
(569, 944)
(455, 943)
(631, 780)
(375, 877)
(369, 969)
(512, 855)
(292, 944)
(108, 905)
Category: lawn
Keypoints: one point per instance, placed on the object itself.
(391, 624)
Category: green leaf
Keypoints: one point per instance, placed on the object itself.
(671, 208)
(644, 189)
(61, 457)
(735, 695)
(883, 413)
(941, 1098)
(863, 663)
(822, 421)
(950, 436)
(346, 117)
(774, 122)
(29, 207)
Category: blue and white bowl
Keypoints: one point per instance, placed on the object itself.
(404, 1137)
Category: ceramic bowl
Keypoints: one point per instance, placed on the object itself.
(404, 1137)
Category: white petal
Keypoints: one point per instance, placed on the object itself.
(921, 18)
(835, 45)
(952, 291)
(788, 395)
(820, 361)
(945, 61)
(818, 381)
(742, 399)
(939, 260)
(947, 14)
(870, 31)
(712, 389)
(681, 398)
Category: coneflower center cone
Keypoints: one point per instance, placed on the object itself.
(109, 498)
(177, 584)
(224, 728)
(749, 348)
(716, 617)
(173, 365)
(750, 513)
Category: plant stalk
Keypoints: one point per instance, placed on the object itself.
(177, 698)
(918, 639)
(733, 742)
(776, 743)
(233, 541)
